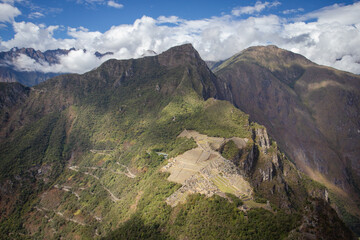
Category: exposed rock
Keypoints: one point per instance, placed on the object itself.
(262, 139)
(268, 172)
(276, 161)
(248, 165)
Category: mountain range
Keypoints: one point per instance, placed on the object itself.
(12, 71)
(161, 147)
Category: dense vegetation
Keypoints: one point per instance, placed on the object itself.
(211, 218)
(230, 150)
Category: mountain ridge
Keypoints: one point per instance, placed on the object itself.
(311, 110)
(85, 153)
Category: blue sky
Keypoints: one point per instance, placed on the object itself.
(97, 15)
(326, 32)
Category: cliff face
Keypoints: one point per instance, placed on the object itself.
(312, 111)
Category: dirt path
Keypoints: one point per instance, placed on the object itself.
(103, 152)
(112, 196)
(68, 189)
(69, 219)
(137, 199)
(60, 214)
(128, 173)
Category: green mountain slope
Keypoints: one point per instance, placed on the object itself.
(313, 111)
(140, 149)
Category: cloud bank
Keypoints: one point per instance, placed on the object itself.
(8, 12)
(329, 36)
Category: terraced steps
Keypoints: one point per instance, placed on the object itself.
(204, 170)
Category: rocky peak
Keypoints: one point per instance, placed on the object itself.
(180, 55)
(50, 56)
(274, 53)
(191, 70)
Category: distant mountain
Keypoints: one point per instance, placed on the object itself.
(312, 111)
(148, 53)
(49, 56)
(142, 149)
(10, 71)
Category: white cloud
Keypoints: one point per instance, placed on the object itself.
(36, 15)
(35, 10)
(36, 36)
(115, 4)
(8, 12)
(77, 61)
(94, 3)
(258, 7)
(12, 1)
(90, 1)
(291, 11)
(342, 14)
(334, 43)
(171, 19)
